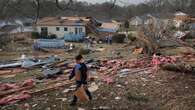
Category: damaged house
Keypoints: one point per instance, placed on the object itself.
(63, 27)
(136, 21)
(147, 19)
(14, 26)
(73, 28)
(180, 19)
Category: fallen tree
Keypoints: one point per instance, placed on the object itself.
(154, 34)
(180, 67)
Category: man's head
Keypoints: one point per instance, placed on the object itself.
(78, 58)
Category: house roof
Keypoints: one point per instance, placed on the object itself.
(8, 28)
(63, 21)
(2, 23)
(180, 14)
(155, 15)
(136, 19)
(110, 26)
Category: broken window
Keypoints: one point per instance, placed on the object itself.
(57, 28)
(43, 29)
(65, 29)
(76, 30)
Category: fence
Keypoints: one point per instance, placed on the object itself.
(49, 43)
(74, 37)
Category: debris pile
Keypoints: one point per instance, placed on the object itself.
(108, 69)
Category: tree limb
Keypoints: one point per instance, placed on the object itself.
(113, 3)
(66, 7)
(38, 10)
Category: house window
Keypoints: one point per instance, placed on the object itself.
(76, 30)
(65, 29)
(43, 29)
(57, 28)
(80, 30)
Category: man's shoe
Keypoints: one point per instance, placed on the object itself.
(90, 98)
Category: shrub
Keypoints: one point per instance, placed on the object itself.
(4, 40)
(173, 28)
(131, 37)
(83, 51)
(35, 35)
(53, 36)
(119, 38)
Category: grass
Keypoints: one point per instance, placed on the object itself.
(137, 97)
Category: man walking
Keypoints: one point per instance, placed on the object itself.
(80, 72)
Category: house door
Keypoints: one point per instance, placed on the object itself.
(44, 31)
(76, 30)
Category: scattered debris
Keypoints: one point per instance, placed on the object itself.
(179, 34)
(108, 80)
(62, 99)
(182, 67)
(117, 98)
(93, 87)
(51, 72)
(66, 90)
(13, 88)
(14, 98)
(81, 108)
(124, 71)
(104, 108)
(138, 51)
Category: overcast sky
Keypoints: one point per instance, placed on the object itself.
(125, 1)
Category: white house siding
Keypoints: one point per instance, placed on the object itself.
(136, 21)
(61, 32)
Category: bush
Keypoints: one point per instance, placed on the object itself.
(173, 28)
(119, 38)
(4, 40)
(83, 51)
(35, 35)
(53, 36)
(131, 37)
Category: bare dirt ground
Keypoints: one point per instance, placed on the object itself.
(163, 90)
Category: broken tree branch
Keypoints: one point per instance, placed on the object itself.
(66, 7)
(37, 2)
(182, 67)
(113, 3)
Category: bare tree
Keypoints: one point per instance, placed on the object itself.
(3, 6)
(67, 5)
(37, 2)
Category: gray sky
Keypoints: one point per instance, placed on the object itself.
(125, 1)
